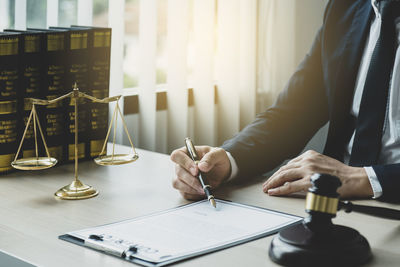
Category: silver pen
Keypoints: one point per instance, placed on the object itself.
(203, 181)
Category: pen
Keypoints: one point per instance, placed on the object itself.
(193, 154)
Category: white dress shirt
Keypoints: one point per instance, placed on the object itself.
(390, 151)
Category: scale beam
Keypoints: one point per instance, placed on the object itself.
(76, 189)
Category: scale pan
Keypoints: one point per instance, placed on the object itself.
(117, 159)
(34, 163)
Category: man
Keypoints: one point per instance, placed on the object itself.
(351, 78)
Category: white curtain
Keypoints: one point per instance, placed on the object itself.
(276, 51)
(224, 64)
(243, 52)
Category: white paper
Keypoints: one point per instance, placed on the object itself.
(190, 229)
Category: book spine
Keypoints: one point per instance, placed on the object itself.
(30, 85)
(100, 46)
(10, 48)
(53, 116)
(77, 72)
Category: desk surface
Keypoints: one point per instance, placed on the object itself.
(32, 219)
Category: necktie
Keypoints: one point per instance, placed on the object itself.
(370, 121)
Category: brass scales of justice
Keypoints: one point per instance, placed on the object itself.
(76, 189)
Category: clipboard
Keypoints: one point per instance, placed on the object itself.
(181, 233)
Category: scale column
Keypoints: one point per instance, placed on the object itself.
(76, 134)
(76, 189)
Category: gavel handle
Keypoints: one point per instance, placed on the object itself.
(374, 211)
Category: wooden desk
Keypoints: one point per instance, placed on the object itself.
(31, 219)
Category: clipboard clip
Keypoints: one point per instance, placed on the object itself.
(98, 242)
(122, 249)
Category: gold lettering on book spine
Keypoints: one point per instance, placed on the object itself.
(55, 42)
(8, 131)
(102, 39)
(95, 147)
(98, 40)
(27, 104)
(32, 74)
(8, 107)
(9, 46)
(32, 44)
(102, 70)
(107, 39)
(79, 73)
(55, 73)
(54, 125)
(5, 162)
(79, 41)
(9, 79)
(71, 151)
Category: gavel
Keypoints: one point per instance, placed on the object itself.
(323, 203)
(317, 241)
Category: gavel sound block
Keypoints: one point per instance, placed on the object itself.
(317, 241)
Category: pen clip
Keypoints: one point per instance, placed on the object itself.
(191, 150)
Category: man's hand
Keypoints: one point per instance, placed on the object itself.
(295, 176)
(214, 164)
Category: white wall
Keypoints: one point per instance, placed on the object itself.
(309, 15)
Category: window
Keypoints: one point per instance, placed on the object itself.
(7, 12)
(67, 12)
(36, 17)
(131, 62)
(100, 13)
(131, 44)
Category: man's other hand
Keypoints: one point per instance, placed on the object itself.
(295, 176)
(214, 164)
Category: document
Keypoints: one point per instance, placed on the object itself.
(186, 231)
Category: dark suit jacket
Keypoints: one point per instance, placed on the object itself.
(320, 90)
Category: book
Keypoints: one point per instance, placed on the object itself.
(77, 71)
(30, 84)
(49, 62)
(52, 117)
(99, 43)
(10, 51)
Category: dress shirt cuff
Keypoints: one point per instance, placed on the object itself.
(375, 184)
(234, 167)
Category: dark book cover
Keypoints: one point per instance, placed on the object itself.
(99, 42)
(77, 60)
(30, 86)
(10, 50)
(52, 117)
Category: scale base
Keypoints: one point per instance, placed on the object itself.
(76, 190)
(338, 246)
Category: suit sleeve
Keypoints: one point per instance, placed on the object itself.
(388, 176)
(282, 131)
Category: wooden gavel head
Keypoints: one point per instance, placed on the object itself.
(322, 202)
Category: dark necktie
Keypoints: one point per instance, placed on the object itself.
(371, 117)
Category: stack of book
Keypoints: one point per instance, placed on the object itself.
(45, 64)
